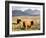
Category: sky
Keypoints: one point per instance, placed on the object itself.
(24, 8)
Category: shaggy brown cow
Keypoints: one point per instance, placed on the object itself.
(27, 24)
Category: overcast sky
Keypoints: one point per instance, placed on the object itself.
(24, 8)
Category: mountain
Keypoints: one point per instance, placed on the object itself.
(28, 12)
(32, 12)
(17, 12)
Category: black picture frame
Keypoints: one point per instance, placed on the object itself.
(7, 18)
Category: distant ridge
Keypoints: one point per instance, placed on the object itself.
(28, 12)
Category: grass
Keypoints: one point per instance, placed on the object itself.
(20, 27)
